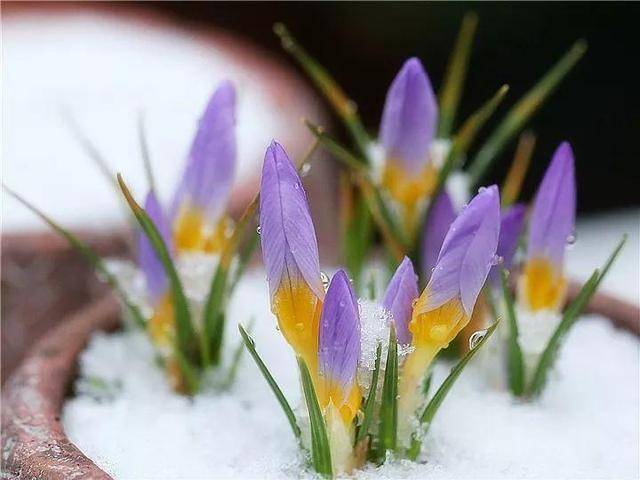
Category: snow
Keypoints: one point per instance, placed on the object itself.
(104, 70)
(127, 420)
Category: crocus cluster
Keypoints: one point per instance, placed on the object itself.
(194, 229)
(324, 330)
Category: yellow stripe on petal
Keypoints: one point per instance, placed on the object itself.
(192, 233)
(298, 311)
(439, 326)
(161, 326)
(542, 286)
(348, 404)
(409, 189)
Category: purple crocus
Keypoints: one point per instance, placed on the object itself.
(551, 224)
(203, 192)
(149, 262)
(401, 292)
(290, 253)
(441, 216)
(339, 342)
(510, 228)
(409, 117)
(445, 306)
(406, 132)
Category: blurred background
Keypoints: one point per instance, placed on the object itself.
(78, 72)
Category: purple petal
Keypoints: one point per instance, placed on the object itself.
(399, 297)
(553, 216)
(287, 237)
(208, 176)
(468, 252)
(339, 337)
(409, 117)
(441, 216)
(149, 262)
(510, 229)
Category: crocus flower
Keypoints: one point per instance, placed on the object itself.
(406, 133)
(447, 302)
(441, 216)
(338, 352)
(542, 284)
(200, 200)
(401, 292)
(290, 254)
(510, 228)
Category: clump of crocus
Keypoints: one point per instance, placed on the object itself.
(420, 150)
(538, 318)
(188, 255)
(355, 415)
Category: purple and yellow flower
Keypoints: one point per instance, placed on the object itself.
(338, 353)
(401, 293)
(290, 254)
(441, 216)
(447, 302)
(161, 325)
(511, 225)
(407, 130)
(200, 223)
(542, 284)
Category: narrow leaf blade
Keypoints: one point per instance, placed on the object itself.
(320, 450)
(389, 401)
(522, 111)
(371, 399)
(571, 313)
(286, 408)
(515, 364)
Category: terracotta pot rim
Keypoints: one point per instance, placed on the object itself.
(33, 441)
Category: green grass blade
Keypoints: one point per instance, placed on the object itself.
(344, 107)
(434, 404)
(214, 316)
(320, 450)
(286, 408)
(185, 333)
(571, 313)
(522, 111)
(356, 231)
(389, 400)
(456, 74)
(515, 365)
(370, 402)
(512, 184)
(89, 254)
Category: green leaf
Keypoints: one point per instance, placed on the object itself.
(571, 313)
(434, 404)
(456, 74)
(89, 254)
(515, 365)
(344, 107)
(320, 450)
(186, 340)
(389, 401)
(357, 234)
(286, 408)
(522, 111)
(371, 399)
(214, 316)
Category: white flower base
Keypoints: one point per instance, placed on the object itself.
(586, 425)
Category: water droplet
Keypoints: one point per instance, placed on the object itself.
(341, 304)
(572, 238)
(476, 338)
(259, 230)
(497, 260)
(414, 303)
(482, 189)
(325, 280)
(305, 169)
(299, 326)
(296, 186)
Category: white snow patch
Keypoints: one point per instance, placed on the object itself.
(585, 425)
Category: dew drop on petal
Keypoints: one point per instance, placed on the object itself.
(259, 230)
(324, 278)
(571, 238)
(482, 189)
(497, 260)
(305, 169)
